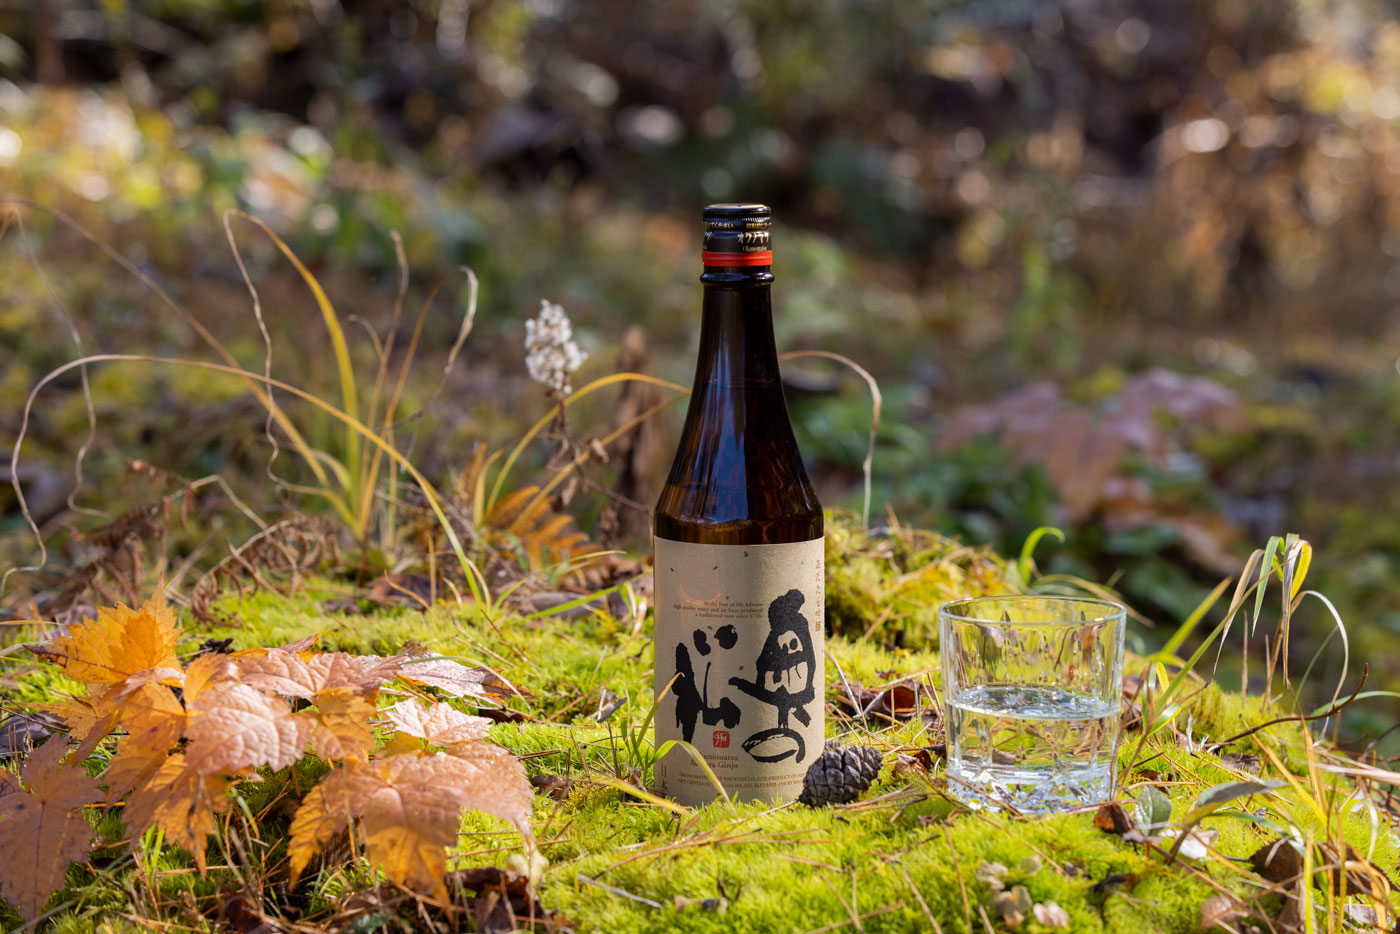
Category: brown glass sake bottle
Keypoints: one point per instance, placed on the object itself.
(739, 557)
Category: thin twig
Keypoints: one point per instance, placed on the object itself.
(1334, 708)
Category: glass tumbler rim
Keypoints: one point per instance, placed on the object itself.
(1111, 611)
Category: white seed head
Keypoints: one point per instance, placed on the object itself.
(550, 352)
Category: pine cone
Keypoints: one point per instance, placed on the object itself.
(839, 775)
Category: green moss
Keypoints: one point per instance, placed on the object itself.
(890, 583)
(785, 869)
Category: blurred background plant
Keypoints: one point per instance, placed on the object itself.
(1122, 267)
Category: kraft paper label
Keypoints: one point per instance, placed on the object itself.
(740, 634)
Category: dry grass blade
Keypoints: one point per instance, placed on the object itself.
(475, 579)
(876, 401)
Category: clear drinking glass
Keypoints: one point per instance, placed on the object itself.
(1032, 693)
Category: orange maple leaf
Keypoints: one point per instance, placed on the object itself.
(410, 807)
(289, 673)
(204, 670)
(440, 724)
(234, 728)
(42, 829)
(154, 719)
(181, 802)
(120, 643)
(342, 725)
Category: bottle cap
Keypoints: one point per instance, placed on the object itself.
(737, 235)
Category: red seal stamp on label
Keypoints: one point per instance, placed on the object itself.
(721, 739)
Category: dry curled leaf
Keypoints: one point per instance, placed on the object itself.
(1220, 910)
(1012, 905)
(993, 875)
(1278, 861)
(42, 828)
(457, 679)
(1113, 818)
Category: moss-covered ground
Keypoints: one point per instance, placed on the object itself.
(902, 858)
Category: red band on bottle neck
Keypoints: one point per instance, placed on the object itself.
(737, 259)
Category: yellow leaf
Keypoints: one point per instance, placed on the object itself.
(150, 712)
(304, 644)
(324, 812)
(204, 670)
(42, 829)
(84, 720)
(341, 725)
(154, 719)
(118, 644)
(1304, 557)
(132, 764)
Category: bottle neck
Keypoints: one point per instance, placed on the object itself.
(737, 349)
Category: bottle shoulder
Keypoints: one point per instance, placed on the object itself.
(795, 527)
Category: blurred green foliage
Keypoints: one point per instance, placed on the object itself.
(976, 197)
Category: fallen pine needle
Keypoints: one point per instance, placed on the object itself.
(865, 917)
(616, 891)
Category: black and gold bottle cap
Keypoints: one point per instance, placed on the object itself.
(737, 235)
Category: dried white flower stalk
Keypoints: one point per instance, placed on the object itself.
(550, 352)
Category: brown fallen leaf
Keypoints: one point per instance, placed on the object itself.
(1113, 818)
(342, 725)
(440, 724)
(457, 679)
(500, 899)
(1278, 861)
(243, 913)
(181, 802)
(289, 673)
(1220, 910)
(234, 728)
(410, 808)
(43, 828)
(1362, 877)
